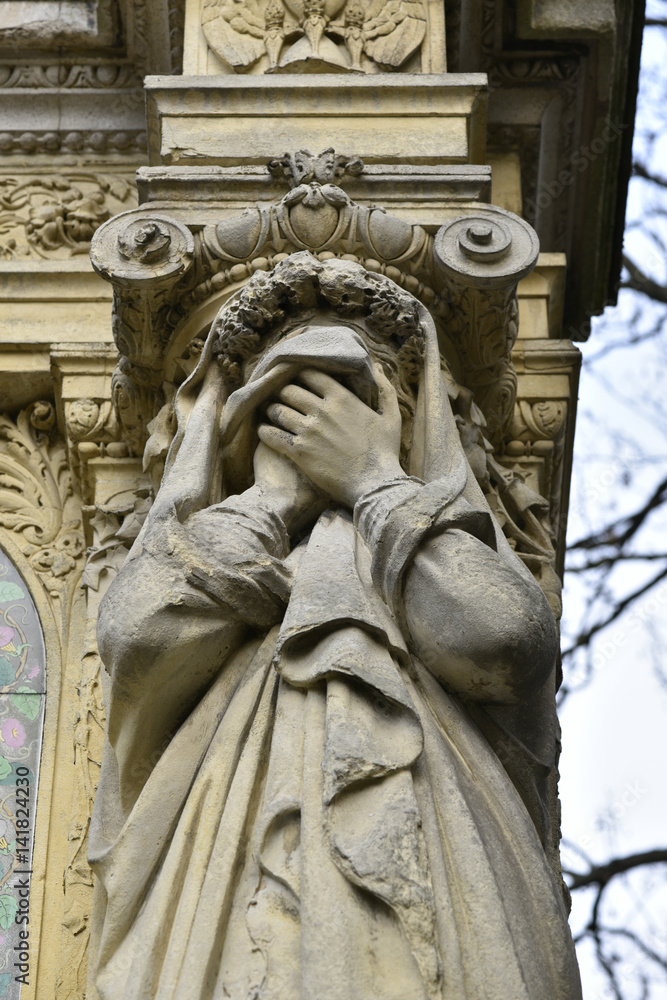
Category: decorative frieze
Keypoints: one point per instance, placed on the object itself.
(55, 215)
(49, 142)
(56, 75)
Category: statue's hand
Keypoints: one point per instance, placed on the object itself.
(285, 489)
(343, 446)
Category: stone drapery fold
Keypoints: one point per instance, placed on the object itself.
(324, 819)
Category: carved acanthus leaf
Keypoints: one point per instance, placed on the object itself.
(523, 514)
(36, 500)
(484, 328)
(33, 476)
(114, 532)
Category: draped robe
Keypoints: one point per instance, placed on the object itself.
(302, 794)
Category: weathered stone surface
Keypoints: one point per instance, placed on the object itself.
(314, 36)
(404, 118)
(329, 610)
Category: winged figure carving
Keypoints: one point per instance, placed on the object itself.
(314, 35)
(235, 30)
(392, 30)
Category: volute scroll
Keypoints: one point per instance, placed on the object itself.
(491, 248)
(141, 248)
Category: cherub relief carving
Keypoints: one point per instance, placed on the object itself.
(315, 36)
(331, 718)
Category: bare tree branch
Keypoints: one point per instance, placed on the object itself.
(639, 170)
(586, 635)
(637, 338)
(637, 941)
(631, 958)
(640, 282)
(607, 964)
(618, 533)
(617, 557)
(602, 874)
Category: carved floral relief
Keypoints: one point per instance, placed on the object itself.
(56, 216)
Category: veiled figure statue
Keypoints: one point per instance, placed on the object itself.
(344, 673)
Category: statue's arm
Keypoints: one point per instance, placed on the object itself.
(475, 618)
(190, 593)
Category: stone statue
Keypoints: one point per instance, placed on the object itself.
(331, 719)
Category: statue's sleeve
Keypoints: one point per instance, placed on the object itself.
(472, 614)
(189, 595)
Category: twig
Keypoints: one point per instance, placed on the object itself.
(602, 874)
(585, 637)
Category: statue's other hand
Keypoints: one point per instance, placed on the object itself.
(286, 489)
(343, 446)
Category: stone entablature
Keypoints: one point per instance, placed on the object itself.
(386, 119)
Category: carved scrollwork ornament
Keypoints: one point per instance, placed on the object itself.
(53, 216)
(538, 426)
(140, 248)
(492, 248)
